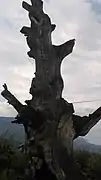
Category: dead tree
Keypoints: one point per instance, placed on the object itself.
(49, 121)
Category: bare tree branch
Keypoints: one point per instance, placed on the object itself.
(84, 124)
(64, 49)
(11, 98)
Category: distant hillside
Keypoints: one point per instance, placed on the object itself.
(82, 144)
(11, 129)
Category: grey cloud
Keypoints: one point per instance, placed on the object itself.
(7, 110)
(96, 6)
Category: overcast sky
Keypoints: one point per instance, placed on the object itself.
(81, 71)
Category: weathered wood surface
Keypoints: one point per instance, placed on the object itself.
(47, 85)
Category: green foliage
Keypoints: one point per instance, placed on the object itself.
(90, 164)
(13, 162)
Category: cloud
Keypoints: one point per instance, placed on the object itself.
(7, 110)
(95, 6)
(81, 71)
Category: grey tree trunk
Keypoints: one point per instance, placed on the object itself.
(48, 119)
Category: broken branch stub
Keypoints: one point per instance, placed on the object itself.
(12, 100)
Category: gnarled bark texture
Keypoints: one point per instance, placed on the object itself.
(48, 119)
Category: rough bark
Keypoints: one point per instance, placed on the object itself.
(47, 85)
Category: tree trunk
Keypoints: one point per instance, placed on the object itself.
(47, 118)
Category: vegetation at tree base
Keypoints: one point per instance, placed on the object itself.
(13, 162)
(90, 164)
